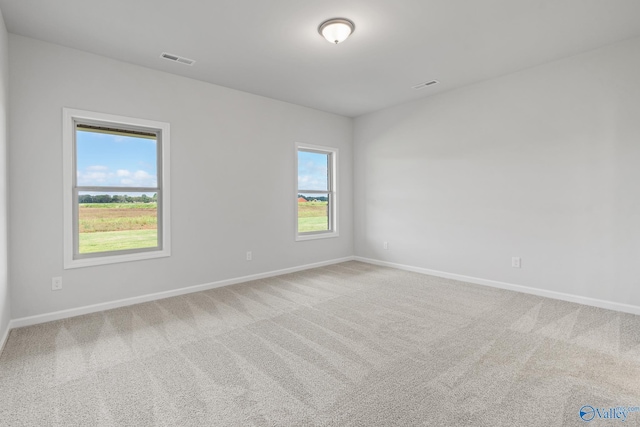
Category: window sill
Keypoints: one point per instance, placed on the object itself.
(114, 259)
(315, 236)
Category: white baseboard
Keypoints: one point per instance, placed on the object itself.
(63, 314)
(5, 336)
(610, 305)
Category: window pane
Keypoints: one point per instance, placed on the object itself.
(313, 171)
(313, 212)
(117, 221)
(115, 160)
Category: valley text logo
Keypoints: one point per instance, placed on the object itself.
(620, 413)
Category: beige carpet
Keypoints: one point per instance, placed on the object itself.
(346, 345)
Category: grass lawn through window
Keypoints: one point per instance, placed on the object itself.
(313, 216)
(117, 226)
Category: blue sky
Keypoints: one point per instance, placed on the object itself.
(115, 160)
(124, 161)
(312, 171)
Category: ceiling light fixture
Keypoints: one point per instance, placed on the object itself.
(336, 30)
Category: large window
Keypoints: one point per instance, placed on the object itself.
(116, 188)
(316, 201)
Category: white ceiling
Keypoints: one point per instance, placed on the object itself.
(272, 48)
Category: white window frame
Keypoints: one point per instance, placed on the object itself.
(332, 190)
(72, 116)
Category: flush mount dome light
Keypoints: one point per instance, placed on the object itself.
(336, 30)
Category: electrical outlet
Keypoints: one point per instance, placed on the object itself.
(56, 283)
(249, 256)
(385, 245)
(516, 262)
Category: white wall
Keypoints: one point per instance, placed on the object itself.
(233, 189)
(543, 164)
(5, 311)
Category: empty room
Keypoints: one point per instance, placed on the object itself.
(339, 213)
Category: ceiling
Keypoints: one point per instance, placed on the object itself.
(272, 47)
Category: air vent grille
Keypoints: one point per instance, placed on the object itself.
(176, 58)
(425, 84)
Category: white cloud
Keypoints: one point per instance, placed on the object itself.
(102, 176)
(312, 176)
(95, 177)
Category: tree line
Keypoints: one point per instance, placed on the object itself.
(314, 198)
(118, 198)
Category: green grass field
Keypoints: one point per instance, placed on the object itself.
(117, 240)
(313, 216)
(117, 226)
(120, 226)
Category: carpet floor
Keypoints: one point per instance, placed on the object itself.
(350, 344)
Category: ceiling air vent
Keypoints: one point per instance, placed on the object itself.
(176, 58)
(425, 84)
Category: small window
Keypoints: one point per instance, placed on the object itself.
(116, 188)
(316, 201)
